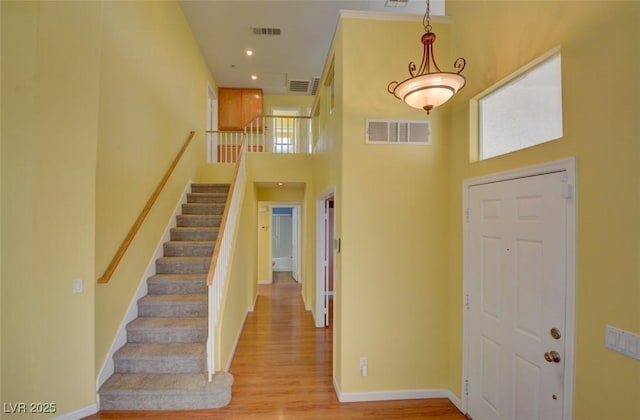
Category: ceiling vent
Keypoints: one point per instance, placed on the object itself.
(299, 86)
(314, 85)
(266, 31)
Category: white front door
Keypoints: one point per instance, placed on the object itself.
(517, 277)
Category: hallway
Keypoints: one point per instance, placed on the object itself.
(282, 369)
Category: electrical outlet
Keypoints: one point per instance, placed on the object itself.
(364, 366)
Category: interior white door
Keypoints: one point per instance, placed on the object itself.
(517, 298)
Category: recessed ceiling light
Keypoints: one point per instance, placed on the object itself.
(254, 77)
(249, 53)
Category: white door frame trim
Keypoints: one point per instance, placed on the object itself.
(212, 122)
(288, 204)
(565, 165)
(320, 240)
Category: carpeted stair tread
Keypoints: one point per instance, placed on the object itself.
(160, 358)
(194, 233)
(159, 350)
(173, 305)
(199, 220)
(202, 208)
(165, 391)
(161, 284)
(188, 248)
(167, 330)
(182, 265)
(184, 322)
(210, 188)
(216, 197)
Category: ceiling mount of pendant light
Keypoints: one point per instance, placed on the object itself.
(428, 87)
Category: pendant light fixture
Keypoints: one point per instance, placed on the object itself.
(428, 87)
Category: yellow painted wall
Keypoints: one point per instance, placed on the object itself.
(50, 78)
(394, 226)
(264, 242)
(99, 98)
(153, 82)
(327, 169)
(600, 65)
(241, 289)
(1, 133)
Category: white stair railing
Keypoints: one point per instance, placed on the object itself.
(264, 134)
(220, 260)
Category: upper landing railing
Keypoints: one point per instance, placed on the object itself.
(265, 134)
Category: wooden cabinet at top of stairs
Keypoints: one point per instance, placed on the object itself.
(237, 107)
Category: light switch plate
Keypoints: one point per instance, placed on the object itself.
(77, 286)
(622, 341)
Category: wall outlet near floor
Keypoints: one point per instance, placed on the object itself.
(622, 341)
(364, 366)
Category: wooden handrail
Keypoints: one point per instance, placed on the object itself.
(140, 220)
(225, 215)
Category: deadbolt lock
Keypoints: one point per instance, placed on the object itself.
(555, 333)
(552, 356)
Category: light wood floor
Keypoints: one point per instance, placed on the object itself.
(283, 370)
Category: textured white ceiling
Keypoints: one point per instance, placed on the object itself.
(223, 30)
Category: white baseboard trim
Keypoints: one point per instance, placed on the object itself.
(264, 282)
(235, 343)
(132, 311)
(405, 394)
(79, 414)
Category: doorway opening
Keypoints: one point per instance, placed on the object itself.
(279, 249)
(326, 247)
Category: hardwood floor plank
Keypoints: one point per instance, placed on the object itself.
(283, 370)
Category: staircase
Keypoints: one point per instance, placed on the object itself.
(163, 364)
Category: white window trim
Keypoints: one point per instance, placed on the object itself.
(474, 103)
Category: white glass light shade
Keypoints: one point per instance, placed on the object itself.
(430, 90)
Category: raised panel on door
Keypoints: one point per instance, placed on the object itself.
(517, 294)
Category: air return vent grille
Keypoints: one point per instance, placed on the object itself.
(398, 132)
(266, 31)
(299, 86)
(314, 85)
